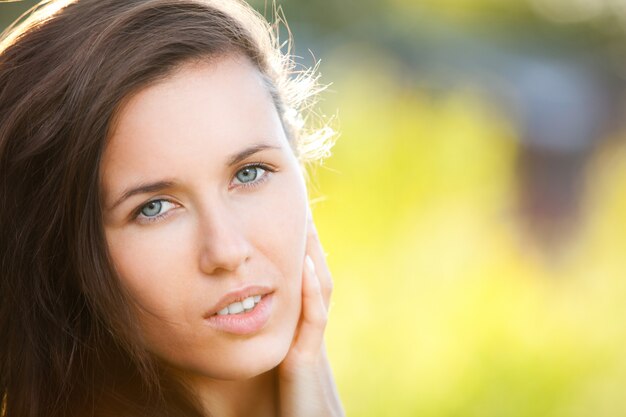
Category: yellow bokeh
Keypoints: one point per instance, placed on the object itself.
(442, 305)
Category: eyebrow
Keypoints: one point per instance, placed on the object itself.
(143, 189)
(164, 184)
(240, 156)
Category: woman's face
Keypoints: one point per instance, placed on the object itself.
(205, 206)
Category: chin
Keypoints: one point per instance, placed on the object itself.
(240, 373)
(248, 360)
(258, 362)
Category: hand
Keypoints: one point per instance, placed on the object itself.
(305, 380)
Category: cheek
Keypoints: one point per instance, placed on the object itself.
(277, 229)
(280, 224)
(159, 285)
(150, 269)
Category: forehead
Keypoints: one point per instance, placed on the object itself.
(198, 116)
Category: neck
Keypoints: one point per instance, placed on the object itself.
(254, 397)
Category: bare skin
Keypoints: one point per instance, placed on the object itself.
(303, 384)
(306, 384)
(205, 197)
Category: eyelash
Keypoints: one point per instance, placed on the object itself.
(257, 181)
(264, 177)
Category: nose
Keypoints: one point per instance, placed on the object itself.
(224, 246)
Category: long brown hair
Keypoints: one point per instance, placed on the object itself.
(69, 342)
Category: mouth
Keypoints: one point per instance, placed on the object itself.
(240, 307)
(239, 301)
(246, 316)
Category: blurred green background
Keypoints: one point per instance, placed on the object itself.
(474, 207)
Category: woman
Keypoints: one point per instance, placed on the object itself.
(158, 256)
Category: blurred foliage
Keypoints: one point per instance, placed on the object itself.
(9, 11)
(444, 306)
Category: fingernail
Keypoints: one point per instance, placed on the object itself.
(309, 262)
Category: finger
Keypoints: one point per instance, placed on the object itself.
(314, 314)
(316, 252)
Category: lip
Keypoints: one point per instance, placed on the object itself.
(244, 323)
(238, 295)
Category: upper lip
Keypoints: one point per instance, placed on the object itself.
(238, 295)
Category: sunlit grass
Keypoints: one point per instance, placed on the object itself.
(442, 307)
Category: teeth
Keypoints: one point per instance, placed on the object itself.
(240, 306)
(235, 308)
(248, 302)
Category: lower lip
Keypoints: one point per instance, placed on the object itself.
(244, 323)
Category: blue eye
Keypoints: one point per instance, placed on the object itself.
(155, 209)
(152, 208)
(249, 174)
